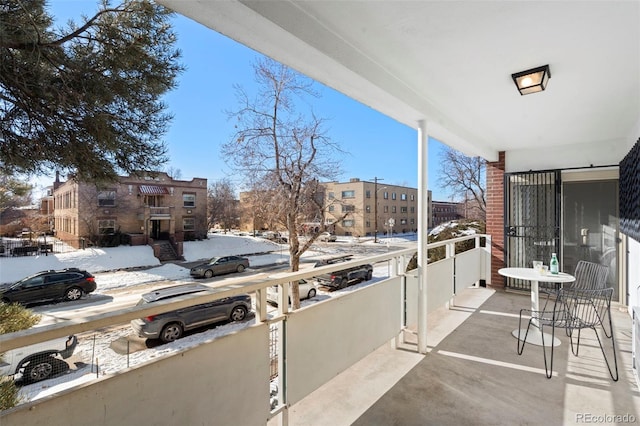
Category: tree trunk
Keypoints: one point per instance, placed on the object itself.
(294, 256)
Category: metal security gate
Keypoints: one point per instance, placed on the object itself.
(532, 220)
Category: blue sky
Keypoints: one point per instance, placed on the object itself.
(377, 146)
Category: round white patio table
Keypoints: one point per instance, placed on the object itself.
(529, 274)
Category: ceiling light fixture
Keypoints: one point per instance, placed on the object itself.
(533, 80)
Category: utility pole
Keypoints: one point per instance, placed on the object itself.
(375, 207)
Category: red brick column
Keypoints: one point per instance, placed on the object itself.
(495, 219)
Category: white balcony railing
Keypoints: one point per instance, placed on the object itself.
(229, 376)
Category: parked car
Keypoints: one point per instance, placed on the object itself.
(275, 237)
(169, 326)
(307, 291)
(39, 361)
(63, 284)
(327, 237)
(219, 266)
(343, 277)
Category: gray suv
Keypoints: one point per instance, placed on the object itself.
(169, 326)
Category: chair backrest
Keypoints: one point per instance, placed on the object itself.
(584, 308)
(590, 276)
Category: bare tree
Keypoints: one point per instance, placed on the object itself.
(173, 172)
(276, 144)
(222, 204)
(464, 177)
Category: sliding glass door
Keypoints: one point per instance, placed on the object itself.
(590, 224)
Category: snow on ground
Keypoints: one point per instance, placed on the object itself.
(95, 357)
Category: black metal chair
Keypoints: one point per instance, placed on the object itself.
(573, 310)
(589, 276)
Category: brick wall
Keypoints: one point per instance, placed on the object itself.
(495, 218)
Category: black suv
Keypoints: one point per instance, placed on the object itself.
(343, 277)
(63, 284)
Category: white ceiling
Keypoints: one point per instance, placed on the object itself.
(450, 62)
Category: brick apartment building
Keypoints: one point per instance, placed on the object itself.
(357, 199)
(147, 208)
(367, 204)
(445, 211)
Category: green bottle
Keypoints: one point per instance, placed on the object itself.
(553, 265)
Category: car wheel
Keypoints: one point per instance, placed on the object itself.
(238, 313)
(38, 369)
(240, 268)
(74, 293)
(171, 332)
(369, 275)
(344, 282)
(312, 293)
(208, 273)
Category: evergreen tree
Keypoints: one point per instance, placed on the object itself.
(85, 98)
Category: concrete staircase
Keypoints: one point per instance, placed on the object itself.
(164, 251)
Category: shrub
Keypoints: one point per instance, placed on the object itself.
(8, 393)
(13, 317)
(449, 231)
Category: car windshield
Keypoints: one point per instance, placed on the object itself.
(213, 260)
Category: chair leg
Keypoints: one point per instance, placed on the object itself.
(548, 365)
(521, 341)
(613, 345)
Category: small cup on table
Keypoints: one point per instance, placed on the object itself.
(537, 266)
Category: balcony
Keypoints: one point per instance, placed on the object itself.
(354, 359)
(157, 213)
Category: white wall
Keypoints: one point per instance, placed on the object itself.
(633, 265)
(223, 382)
(328, 337)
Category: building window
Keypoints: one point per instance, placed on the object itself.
(403, 209)
(412, 209)
(413, 221)
(385, 195)
(106, 198)
(367, 193)
(403, 221)
(367, 209)
(188, 224)
(189, 200)
(413, 197)
(367, 224)
(386, 209)
(348, 208)
(403, 197)
(349, 223)
(331, 195)
(348, 194)
(393, 195)
(106, 226)
(393, 209)
(331, 208)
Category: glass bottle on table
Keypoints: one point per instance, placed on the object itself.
(554, 267)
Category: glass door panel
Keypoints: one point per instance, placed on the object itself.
(590, 226)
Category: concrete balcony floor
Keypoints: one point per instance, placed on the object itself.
(473, 375)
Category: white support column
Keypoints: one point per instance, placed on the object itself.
(423, 232)
(261, 304)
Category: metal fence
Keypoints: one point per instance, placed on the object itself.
(33, 247)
